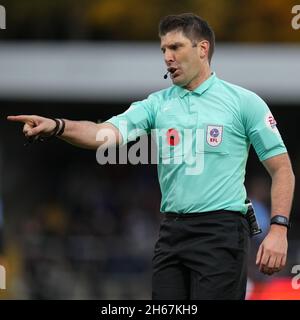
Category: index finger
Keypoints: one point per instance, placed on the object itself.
(21, 118)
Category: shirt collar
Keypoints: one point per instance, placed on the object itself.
(201, 88)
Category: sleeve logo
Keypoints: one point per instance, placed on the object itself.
(271, 122)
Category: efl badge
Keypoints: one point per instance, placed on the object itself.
(271, 122)
(214, 135)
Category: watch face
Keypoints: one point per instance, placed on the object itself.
(281, 219)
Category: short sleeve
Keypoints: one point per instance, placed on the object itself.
(136, 121)
(261, 128)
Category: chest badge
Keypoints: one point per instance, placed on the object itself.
(214, 135)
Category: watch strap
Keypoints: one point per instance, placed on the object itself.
(281, 220)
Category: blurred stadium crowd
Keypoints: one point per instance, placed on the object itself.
(79, 230)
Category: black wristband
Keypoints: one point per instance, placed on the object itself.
(281, 220)
(54, 131)
(62, 129)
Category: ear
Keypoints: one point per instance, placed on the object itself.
(203, 47)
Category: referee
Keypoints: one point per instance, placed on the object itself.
(203, 241)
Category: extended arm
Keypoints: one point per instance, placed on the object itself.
(82, 134)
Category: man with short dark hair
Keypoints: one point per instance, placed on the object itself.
(207, 126)
(192, 26)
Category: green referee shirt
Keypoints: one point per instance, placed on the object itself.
(203, 139)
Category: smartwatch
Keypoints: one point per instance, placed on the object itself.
(281, 220)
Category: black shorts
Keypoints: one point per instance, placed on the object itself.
(201, 257)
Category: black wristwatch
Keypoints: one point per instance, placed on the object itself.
(281, 220)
